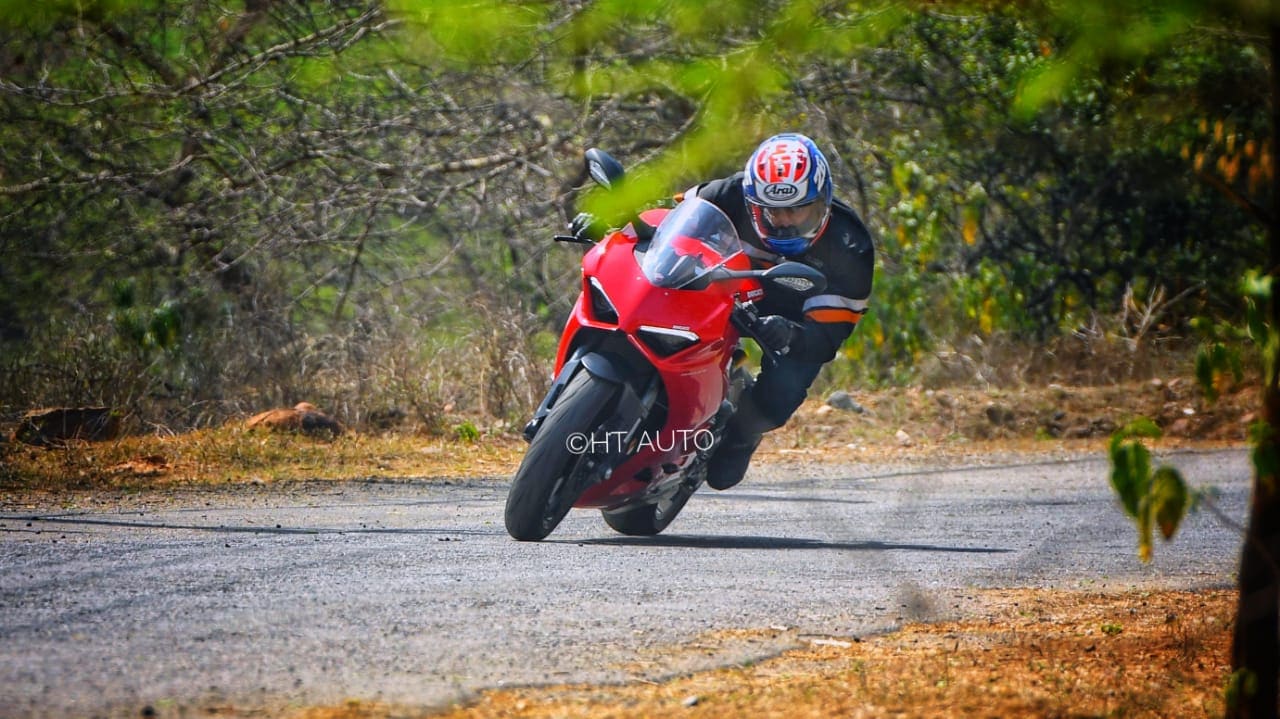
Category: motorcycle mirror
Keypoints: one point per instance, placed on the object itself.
(605, 170)
(796, 277)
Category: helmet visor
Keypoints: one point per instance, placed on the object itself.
(785, 223)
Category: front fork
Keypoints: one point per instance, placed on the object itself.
(617, 435)
(621, 429)
(630, 405)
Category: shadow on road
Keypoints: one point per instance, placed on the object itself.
(38, 524)
(726, 542)
(802, 499)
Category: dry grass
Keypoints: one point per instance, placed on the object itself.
(896, 423)
(231, 455)
(1025, 654)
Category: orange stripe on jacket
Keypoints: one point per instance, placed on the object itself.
(832, 314)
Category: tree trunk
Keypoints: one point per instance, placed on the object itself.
(1256, 644)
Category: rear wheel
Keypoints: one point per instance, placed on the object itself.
(547, 483)
(650, 519)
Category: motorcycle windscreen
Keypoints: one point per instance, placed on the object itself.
(695, 238)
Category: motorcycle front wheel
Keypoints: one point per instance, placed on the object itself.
(546, 484)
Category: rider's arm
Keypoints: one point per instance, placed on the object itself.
(849, 263)
(828, 321)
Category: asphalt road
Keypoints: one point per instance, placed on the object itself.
(412, 593)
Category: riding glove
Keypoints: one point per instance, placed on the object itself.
(586, 226)
(776, 332)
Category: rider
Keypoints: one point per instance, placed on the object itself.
(783, 209)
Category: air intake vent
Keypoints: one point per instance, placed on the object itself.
(601, 306)
(666, 341)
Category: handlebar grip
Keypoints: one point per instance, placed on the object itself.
(743, 318)
(572, 239)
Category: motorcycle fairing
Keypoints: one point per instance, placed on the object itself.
(624, 329)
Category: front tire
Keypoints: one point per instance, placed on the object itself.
(546, 486)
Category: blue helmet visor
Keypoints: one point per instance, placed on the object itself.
(788, 247)
(789, 230)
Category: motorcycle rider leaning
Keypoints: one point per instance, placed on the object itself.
(783, 208)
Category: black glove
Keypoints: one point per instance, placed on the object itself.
(587, 226)
(776, 332)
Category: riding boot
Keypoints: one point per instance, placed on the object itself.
(728, 465)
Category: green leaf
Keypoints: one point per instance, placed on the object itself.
(1144, 522)
(1257, 324)
(1242, 685)
(473, 32)
(1257, 287)
(1266, 455)
(1204, 374)
(467, 432)
(1130, 474)
(1044, 85)
(1140, 427)
(1169, 500)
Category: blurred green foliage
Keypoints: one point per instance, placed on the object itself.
(1154, 498)
(267, 201)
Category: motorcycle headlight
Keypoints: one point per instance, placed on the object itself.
(601, 306)
(666, 341)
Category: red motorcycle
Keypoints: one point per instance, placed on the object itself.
(648, 369)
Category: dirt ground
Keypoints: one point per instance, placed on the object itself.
(1025, 653)
(1029, 418)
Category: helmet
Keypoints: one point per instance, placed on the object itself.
(787, 185)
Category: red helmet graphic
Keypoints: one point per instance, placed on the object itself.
(787, 185)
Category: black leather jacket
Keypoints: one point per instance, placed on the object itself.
(844, 252)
